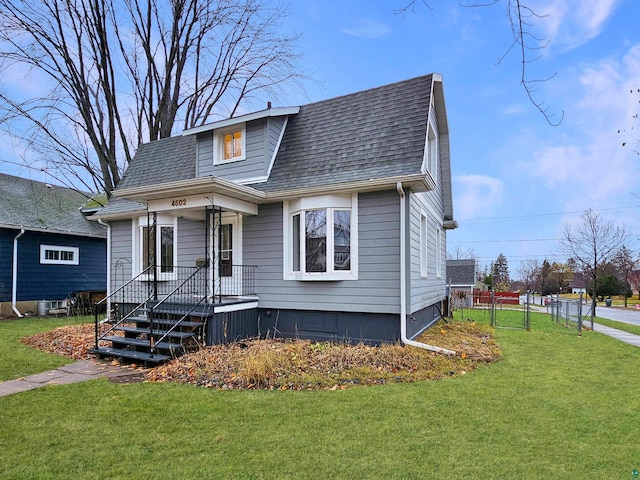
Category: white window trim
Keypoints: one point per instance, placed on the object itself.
(59, 248)
(424, 244)
(438, 253)
(431, 155)
(330, 202)
(162, 221)
(218, 144)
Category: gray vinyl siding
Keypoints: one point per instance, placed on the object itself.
(376, 291)
(258, 140)
(121, 252)
(274, 130)
(426, 291)
(191, 242)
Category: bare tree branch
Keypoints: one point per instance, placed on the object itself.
(124, 71)
(520, 19)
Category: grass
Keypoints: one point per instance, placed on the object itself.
(18, 360)
(557, 406)
(626, 327)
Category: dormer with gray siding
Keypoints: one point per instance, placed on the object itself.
(241, 149)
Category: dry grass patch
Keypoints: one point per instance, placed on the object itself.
(302, 365)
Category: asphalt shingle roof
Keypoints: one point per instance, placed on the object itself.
(461, 272)
(162, 161)
(376, 133)
(39, 206)
(372, 134)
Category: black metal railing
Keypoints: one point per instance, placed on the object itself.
(178, 305)
(122, 303)
(235, 281)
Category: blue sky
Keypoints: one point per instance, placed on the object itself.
(516, 180)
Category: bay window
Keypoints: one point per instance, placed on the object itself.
(321, 238)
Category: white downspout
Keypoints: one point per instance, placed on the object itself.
(403, 283)
(14, 287)
(101, 222)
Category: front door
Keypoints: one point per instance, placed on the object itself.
(228, 255)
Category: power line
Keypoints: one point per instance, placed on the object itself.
(544, 215)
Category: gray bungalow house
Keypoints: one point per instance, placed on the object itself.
(324, 221)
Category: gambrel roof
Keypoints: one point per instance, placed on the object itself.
(43, 207)
(370, 139)
(366, 135)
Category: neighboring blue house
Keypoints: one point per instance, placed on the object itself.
(48, 248)
(326, 221)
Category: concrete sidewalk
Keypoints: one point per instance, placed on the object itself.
(621, 335)
(73, 373)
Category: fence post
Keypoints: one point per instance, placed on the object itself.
(493, 309)
(580, 315)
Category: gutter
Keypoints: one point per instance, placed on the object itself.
(403, 283)
(14, 286)
(101, 222)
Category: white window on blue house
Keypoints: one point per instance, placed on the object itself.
(59, 255)
(321, 238)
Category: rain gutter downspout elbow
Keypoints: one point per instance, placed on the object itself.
(14, 286)
(403, 283)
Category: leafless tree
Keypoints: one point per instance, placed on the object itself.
(593, 243)
(521, 20)
(625, 265)
(114, 73)
(528, 272)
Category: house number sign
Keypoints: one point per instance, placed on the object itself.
(179, 202)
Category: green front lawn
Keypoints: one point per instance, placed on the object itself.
(18, 360)
(557, 406)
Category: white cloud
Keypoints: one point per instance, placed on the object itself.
(368, 29)
(571, 23)
(476, 195)
(586, 162)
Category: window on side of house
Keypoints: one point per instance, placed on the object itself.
(321, 238)
(432, 148)
(59, 255)
(438, 253)
(424, 233)
(230, 144)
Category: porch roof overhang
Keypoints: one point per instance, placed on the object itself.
(242, 198)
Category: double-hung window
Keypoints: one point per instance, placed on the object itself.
(230, 144)
(157, 244)
(321, 238)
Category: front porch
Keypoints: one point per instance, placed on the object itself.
(154, 318)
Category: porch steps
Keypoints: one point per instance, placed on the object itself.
(135, 345)
(135, 355)
(142, 342)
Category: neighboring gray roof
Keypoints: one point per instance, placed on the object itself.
(162, 161)
(40, 206)
(461, 272)
(373, 134)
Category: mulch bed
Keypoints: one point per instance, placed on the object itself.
(287, 364)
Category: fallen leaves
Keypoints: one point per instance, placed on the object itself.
(281, 364)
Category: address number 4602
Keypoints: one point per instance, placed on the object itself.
(181, 202)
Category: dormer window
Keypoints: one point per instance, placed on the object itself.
(230, 144)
